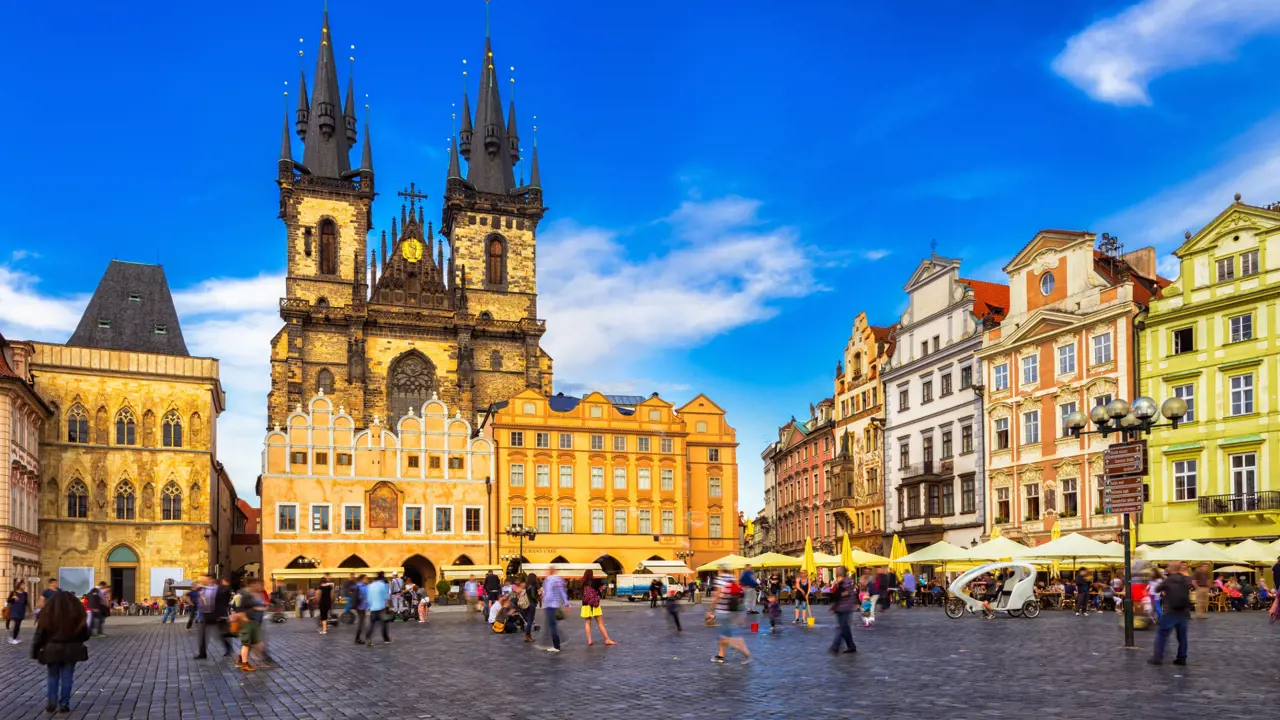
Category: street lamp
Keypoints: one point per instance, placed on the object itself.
(522, 532)
(1128, 421)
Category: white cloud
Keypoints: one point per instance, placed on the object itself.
(19, 255)
(877, 254)
(1115, 59)
(220, 295)
(36, 316)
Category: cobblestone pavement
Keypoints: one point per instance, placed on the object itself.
(912, 664)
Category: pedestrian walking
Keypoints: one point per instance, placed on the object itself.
(170, 608)
(726, 604)
(471, 596)
(377, 597)
(1175, 611)
(591, 607)
(843, 602)
(17, 606)
(750, 588)
(206, 603)
(909, 588)
(1082, 592)
(672, 604)
(801, 596)
(48, 593)
(193, 605)
(492, 590)
(655, 589)
(424, 604)
(324, 598)
(885, 582)
(396, 588)
(358, 600)
(555, 605)
(61, 633)
(530, 607)
(100, 604)
(253, 605)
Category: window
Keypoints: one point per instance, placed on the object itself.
(1046, 283)
(668, 476)
(946, 385)
(1242, 394)
(472, 521)
(644, 479)
(566, 441)
(1067, 360)
(597, 520)
(1249, 263)
(104, 323)
(666, 445)
(1002, 433)
(619, 522)
(542, 519)
(619, 443)
(928, 447)
(926, 391)
(714, 489)
(171, 430)
(77, 425)
(1185, 479)
(966, 377)
(517, 439)
(946, 444)
(966, 439)
(596, 411)
(933, 500)
(948, 498)
(412, 379)
(1031, 493)
(1226, 269)
(668, 522)
(455, 463)
(1244, 482)
(967, 499)
(298, 458)
(495, 360)
(1102, 348)
(1100, 505)
(913, 502)
(642, 444)
(1070, 497)
(619, 478)
(1241, 328)
(125, 501)
(126, 429)
(529, 409)
(494, 267)
(542, 475)
(286, 517)
(542, 440)
(444, 520)
(352, 518)
(1031, 426)
(1064, 410)
(324, 381)
(414, 460)
(1188, 394)
(517, 517)
(78, 500)
(1002, 505)
(345, 459)
(716, 528)
(597, 478)
(566, 519)
(320, 518)
(1183, 340)
(517, 475)
(1001, 377)
(328, 247)
(645, 522)
(1103, 400)
(701, 426)
(433, 462)
(713, 454)
(413, 518)
(903, 397)
(1031, 369)
(171, 502)
(566, 476)
(597, 442)
(904, 454)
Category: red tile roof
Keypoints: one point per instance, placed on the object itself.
(989, 299)
(5, 370)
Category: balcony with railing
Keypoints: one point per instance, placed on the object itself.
(925, 471)
(1215, 507)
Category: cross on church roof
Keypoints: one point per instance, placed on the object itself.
(412, 193)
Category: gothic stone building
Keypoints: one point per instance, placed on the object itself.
(380, 330)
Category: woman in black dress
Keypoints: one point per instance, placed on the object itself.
(325, 591)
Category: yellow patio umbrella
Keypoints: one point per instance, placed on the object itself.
(846, 553)
(1190, 551)
(824, 560)
(995, 532)
(772, 560)
(1000, 548)
(862, 558)
(939, 553)
(898, 552)
(1054, 534)
(809, 564)
(734, 561)
(1252, 552)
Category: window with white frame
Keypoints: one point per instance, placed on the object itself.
(1065, 410)
(542, 475)
(566, 519)
(1185, 479)
(542, 519)
(1241, 394)
(1031, 500)
(1188, 394)
(597, 442)
(1249, 263)
(352, 518)
(542, 440)
(619, 443)
(642, 444)
(1002, 505)
(1031, 426)
(668, 522)
(320, 517)
(287, 517)
(517, 517)
(1102, 349)
(472, 520)
(644, 479)
(713, 454)
(1031, 369)
(517, 439)
(1226, 269)
(1002, 433)
(666, 445)
(566, 441)
(444, 519)
(1241, 327)
(645, 522)
(668, 479)
(714, 489)
(1244, 481)
(619, 522)
(619, 478)
(566, 476)
(1070, 497)
(716, 528)
(1184, 340)
(1000, 377)
(597, 520)
(413, 518)
(517, 474)
(597, 478)
(1067, 359)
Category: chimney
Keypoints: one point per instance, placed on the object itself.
(1142, 261)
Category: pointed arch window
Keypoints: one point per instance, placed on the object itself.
(324, 381)
(496, 262)
(328, 248)
(77, 425)
(495, 360)
(125, 500)
(126, 428)
(78, 500)
(171, 430)
(410, 382)
(171, 502)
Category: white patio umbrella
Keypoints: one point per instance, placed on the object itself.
(1252, 552)
(1190, 551)
(1074, 547)
(996, 549)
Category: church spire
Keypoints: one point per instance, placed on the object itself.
(349, 113)
(326, 144)
(535, 178)
(366, 157)
(304, 108)
(286, 148)
(489, 167)
(465, 135)
(513, 137)
(455, 170)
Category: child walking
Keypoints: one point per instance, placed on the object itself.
(868, 616)
(774, 610)
(673, 609)
(61, 633)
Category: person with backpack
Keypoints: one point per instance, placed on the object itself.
(726, 603)
(61, 633)
(591, 608)
(527, 602)
(1175, 607)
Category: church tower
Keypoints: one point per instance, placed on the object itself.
(326, 207)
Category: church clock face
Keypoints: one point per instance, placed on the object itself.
(411, 249)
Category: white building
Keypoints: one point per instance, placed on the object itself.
(934, 476)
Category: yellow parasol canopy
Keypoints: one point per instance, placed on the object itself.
(1075, 546)
(995, 532)
(734, 561)
(772, 559)
(1234, 569)
(809, 564)
(998, 548)
(846, 552)
(1252, 552)
(939, 553)
(896, 554)
(1190, 551)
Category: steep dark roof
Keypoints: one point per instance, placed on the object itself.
(325, 154)
(489, 164)
(563, 403)
(131, 310)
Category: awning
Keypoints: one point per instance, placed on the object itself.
(669, 567)
(337, 573)
(454, 572)
(570, 570)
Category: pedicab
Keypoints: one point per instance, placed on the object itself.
(1017, 593)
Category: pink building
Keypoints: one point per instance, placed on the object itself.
(802, 468)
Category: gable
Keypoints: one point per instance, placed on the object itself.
(1042, 322)
(1047, 241)
(701, 404)
(1235, 218)
(928, 269)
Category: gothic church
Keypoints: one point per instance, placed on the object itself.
(449, 311)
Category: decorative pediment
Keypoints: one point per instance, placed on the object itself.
(1095, 464)
(1027, 404)
(1068, 469)
(1048, 246)
(1000, 478)
(1231, 221)
(1000, 410)
(1031, 474)
(928, 269)
(1042, 322)
(1065, 339)
(1099, 387)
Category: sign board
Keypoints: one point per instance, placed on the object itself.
(1123, 459)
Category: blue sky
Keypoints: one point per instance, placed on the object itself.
(729, 183)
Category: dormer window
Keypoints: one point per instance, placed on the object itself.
(135, 297)
(104, 323)
(161, 330)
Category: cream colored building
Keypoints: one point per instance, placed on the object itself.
(22, 417)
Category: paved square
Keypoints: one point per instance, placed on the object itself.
(912, 664)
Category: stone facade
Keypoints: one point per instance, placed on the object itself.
(803, 468)
(131, 481)
(1066, 344)
(23, 416)
(617, 483)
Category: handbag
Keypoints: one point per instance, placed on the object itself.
(560, 614)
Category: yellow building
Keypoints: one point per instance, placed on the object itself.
(1210, 339)
(132, 492)
(22, 416)
(411, 498)
(616, 479)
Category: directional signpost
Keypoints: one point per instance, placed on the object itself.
(1124, 465)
